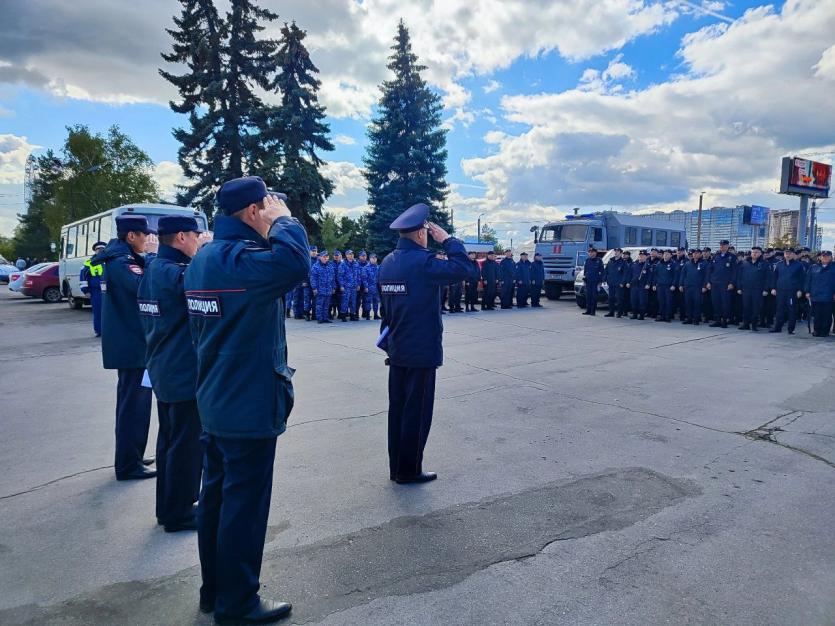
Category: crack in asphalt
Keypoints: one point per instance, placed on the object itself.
(54, 480)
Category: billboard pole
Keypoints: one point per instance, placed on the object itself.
(802, 220)
(813, 230)
(699, 222)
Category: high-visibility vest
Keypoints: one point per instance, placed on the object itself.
(95, 270)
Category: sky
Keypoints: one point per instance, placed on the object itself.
(634, 105)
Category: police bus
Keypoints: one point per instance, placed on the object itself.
(78, 238)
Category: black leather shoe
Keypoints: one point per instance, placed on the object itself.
(206, 606)
(139, 474)
(149, 461)
(423, 477)
(186, 524)
(266, 612)
(773, 330)
(715, 324)
(609, 315)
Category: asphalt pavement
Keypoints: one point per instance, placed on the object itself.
(592, 471)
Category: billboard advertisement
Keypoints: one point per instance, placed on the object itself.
(802, 177)
(755, 215)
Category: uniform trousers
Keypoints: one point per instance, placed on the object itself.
(323, 305)
(822, 317)
(639, 296)
(752, 302)
(721, 299)
(488, 297)
(507, 294)
(133, 419)
(95, 302)
(411, 401)
(309, 301)
(298, 301)
(455, 297)
(693, 303)
(348, 301)
(471, 293)
(536, 293)
(786, 309)
(232, 520)
(522, 295)
(665, 301)
(373, 297)
(179, 460)
(591, 297)
(614, 299)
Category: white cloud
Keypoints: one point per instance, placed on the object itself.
(13, 153)
(346, 176)
(825, 67)
(723, 126)
(606, 81)
(491, 86)
(344, 140)
(168, 175)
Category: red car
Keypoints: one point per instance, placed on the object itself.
(43, 283)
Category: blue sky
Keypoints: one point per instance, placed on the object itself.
(571, 105)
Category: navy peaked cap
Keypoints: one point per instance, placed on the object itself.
(133, 224)
(239, 193)
(411, 219)
(173, 224)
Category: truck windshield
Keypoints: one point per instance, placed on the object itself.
(564, 232)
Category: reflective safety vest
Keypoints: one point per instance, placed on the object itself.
(95, 270)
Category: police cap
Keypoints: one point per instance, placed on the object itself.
(99, 245)
(337, 253)
(323, 253)
(173, 224)
(724, 242)
(411, 219)
(239, 193)
(826, 253)
(756, 248)
(644, 252)
(133, 224)
(373, 255)
(349, 251)
(682, 249)
(695, 250)
(314, 248)
(524, 254)
(362, 253)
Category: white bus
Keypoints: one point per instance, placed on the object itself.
(78, 238)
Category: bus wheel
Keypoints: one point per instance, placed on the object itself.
(52, 295)
(553, 292)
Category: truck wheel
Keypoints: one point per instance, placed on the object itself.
(553, 292)
(52, 295)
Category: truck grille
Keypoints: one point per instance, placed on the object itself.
(558, 263)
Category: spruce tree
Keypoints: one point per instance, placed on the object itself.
(294, 131)
(405, 162)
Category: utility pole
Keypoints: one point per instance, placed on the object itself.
(813, 238)
(802, 220)
(478, 236)
(699, 222)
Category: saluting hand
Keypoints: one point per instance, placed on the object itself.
(437, 233)
(274, 208)
(151, 244)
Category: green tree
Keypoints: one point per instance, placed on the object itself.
(7, 248)
(331, 236)
(405, 162)
(488, 235)
(294, 131)
(31, 237)
(786, 241)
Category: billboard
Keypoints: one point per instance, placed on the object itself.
(802, 177)
(755, 215)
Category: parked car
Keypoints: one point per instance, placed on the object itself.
(17, 277)
(43, 283)
(5, 270)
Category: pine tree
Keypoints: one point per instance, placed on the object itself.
(294, 131)
(405, 162)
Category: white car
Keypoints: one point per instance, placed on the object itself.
(17, 277)
(5, 270)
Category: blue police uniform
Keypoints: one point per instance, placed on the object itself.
(89, 279)
(370, 291)
(820, 287)
(614, 276)
(787, 280)
(537, 281)
(523, 282)
(692, 279)
(323, 283)
(753, 282)
(638, 288)
(123, 346)
(490, 279)
(471, 286)
(592, 277)
(348, 278)
(721, 275)
(507, 276)
(362, 295)
(678, 295)
(336, 298)
(172, 367)
(410, 281)
(664, 282)
(235, 288)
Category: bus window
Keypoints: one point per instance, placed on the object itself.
(675, 239)
(661, 237)
(104, 228)
(71, 236)
(631, 236)
(92, 235)
(63, 243)
(646, 237)
(81, 243)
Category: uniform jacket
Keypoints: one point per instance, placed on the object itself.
(614, 272)
(323, 277)
(474, 274)
(122, 338)
(693, 274)
(754, 276)
(820, 283)
(523, 272)
(538, 273)
(507, 270)
(410, 281)
(348, 275)
(90, 276)
(639, 274)
(722, 270)
(788, 276)
(666, 274)
(490, 271)
(593, 270)
(336, 266)
(161, 301)
(234, 292)
(368, 277)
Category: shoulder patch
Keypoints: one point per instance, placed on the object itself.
(204, 306)
(148, 307)
(393, 288)
(135, 269)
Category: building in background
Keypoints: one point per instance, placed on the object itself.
(783, 226)
(719, 223)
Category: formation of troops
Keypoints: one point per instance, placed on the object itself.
(346, 288)
(752, 289)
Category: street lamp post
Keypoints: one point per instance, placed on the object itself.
(699, 222)
(478, 235)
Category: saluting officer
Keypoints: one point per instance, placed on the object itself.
(123, 342)
(172, 367)
(235, 287)
(89, 280)
(410, 280)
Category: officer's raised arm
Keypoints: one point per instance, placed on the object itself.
(456, 267)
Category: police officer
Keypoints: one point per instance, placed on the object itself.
(123, 342)
(410, 279)
(754, 279)
(89, 280)
(369, 284)
(523, 280)
(323, 284)
(301, 294)
(787, 287)
(537, 280)
(820, 291)
(678, 297)
(471, 284)
(309, 300)
(639, 286)
(336, 298)
(592, 276)
(721, 280)
(507, 277)
(235, 287)
(490, 278)
(692, 281)
(348, 279)
(172, 367)
(613, 275)
(362, 294)
(665, 280)
(455, 292)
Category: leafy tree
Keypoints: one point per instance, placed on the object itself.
(7, 248)
(488, 235)
(405, 162)
(332, 238)
(294, 131)
(786, 241)
(32, 237)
